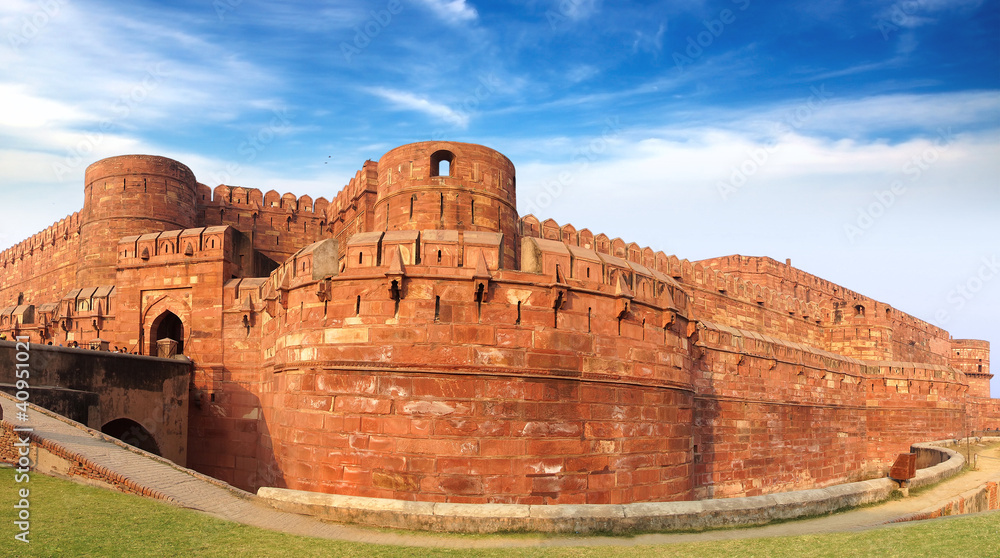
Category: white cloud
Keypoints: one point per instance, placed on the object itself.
(916, 13)
(409, 101)
(576, 10)
(452, 11)
(649, 43)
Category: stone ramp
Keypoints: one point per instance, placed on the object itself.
(73, 450)
(69, 449)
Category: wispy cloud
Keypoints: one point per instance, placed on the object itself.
(452, 11)
(649, 43)
(408, 101)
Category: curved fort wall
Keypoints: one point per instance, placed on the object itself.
(417, 340)
(448, 186)
(130, 195)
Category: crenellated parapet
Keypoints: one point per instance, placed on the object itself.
(858, 325)
(36, 269)
(62, 231)
(276, 224)
(352, 210)
(707, 286)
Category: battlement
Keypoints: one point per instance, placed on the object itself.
(62, 230)
(364, 181)
(687, 273)
(901, 335)
(413, 338)
(254, 199)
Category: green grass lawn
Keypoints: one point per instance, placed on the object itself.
(73, 520)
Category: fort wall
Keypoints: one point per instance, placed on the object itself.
(413, 338)
(351, 211)
(127, 195)
(39, 268)
(858, 325)
(277, 225)
(444, 397)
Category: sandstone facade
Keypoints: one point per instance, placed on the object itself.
(413, 338)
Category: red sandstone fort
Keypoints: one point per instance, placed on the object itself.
(414, 338)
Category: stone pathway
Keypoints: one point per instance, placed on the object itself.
(195, 491)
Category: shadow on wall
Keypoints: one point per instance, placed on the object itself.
(229, 438)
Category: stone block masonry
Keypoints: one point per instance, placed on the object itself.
(414, 339)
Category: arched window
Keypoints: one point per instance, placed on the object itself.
(442, 163)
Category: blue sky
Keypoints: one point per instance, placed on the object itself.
(860, 139)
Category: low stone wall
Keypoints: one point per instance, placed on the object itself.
(50, 458)
(985, 497)
(96, 388)
(618, 518)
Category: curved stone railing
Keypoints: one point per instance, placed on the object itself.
(614, 518)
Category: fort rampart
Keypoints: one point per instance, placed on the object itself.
(415, 339)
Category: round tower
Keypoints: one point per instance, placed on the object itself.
(972, 356)
(130, 195)
(450, 186)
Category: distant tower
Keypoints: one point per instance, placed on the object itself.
(972, 357)
(448, 185)
(130, 195)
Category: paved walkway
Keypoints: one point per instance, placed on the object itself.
(196, 492)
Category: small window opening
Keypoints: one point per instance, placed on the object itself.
(395, 294)
(518, 320)
(588, 319)
(357, 306)
(439, 256)
(442, 207)
(361, 257)
(442, 163)
(437, 308)
(480, 294)
(412, 199)
(472, 204)
(588, 273)
(859, 310)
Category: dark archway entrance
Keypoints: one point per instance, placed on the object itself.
(132, 433)
(168, 326)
